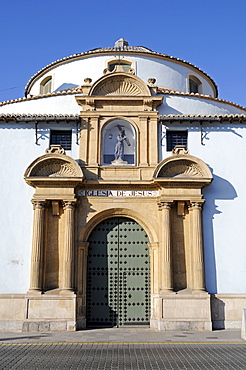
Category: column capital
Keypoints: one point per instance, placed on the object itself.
(162, 204)
(83, 244)
(69, 204)
(153, 245)
(197, 204)
(39, 204)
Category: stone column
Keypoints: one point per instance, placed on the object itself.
(143, 141)
(166, 267)
(83, 143)
(197, 250)
(93, 140)
(153, 139)
(82, 266)
(37, 246)
(154, 267)
(67, 272)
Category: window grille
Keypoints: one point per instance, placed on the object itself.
(63, 138)
(176, 138)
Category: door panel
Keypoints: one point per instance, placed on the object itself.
(118, 274)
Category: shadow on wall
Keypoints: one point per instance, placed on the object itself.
(220, 189)
(218, 313)
(65, 86)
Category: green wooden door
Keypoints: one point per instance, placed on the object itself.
(118, 275)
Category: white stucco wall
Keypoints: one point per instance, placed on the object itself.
(60, 104)
(167, 73)
(172, 104)
(224, 222)
(18, 150)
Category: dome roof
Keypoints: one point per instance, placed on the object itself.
(120, 45)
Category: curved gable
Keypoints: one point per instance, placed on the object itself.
(182, 165)
(120, 84)
(54, 165)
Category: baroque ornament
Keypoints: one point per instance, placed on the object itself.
(119, 85)
(54, 168)
(181, 169)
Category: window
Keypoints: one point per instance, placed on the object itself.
(195, 85)
(124, 64)
(45, 86)
(63, 138)
(176, 138)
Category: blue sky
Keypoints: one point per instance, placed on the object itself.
(210, 34)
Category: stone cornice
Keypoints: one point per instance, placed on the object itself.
(132, 103)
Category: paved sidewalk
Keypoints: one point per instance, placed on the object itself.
(133, 335)
(120, 349)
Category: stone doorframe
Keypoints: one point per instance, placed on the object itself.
(83, 245)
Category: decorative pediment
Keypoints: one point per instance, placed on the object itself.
(53, 166)
(119, 84)
(183, 166)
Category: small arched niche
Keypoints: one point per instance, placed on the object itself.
(118, 143)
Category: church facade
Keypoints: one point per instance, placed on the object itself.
(122, 197)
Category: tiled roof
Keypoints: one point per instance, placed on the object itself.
(78, 90)
(116, 49)
(169, 117)
(38, 117)
(204, 117)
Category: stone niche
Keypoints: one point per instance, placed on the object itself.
(118, 95)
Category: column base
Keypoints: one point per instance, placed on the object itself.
(199, 291)
(167, 291)
(67, 292)
(34, 292)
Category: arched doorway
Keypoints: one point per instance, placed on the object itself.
(118, 274)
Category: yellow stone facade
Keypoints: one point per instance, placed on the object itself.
(165, 199)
